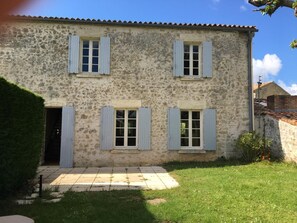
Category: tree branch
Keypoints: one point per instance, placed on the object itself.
(270, 6)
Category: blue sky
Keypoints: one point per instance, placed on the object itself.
(273, 59)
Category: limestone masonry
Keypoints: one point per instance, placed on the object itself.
(35, 54)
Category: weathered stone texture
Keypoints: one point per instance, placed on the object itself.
(35, 56)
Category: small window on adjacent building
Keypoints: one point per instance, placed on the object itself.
(191, 60)
(90, 56)
(126, 128)
(190, 127)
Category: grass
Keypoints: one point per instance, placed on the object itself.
(208, 192)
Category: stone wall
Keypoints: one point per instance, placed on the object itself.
(282, 134)
(35, 56)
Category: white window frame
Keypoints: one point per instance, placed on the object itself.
(190, 129)
(191, 44)
(125, 146)
(91, 40)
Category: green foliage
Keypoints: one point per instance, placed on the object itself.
(21, 135)
(251, 145)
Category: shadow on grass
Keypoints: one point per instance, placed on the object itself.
(104, 206)
(210, 164)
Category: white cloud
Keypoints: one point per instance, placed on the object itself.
(290, 89)
(270, 65)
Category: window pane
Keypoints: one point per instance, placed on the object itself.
(95, 44)
(85, 68)
(131, 132)
(195, 49)
(186, 48)
(95, 52)
(184, 124)
(120, 113)
(85, 52)
(132, 114)
(86, 44)
(196, 133)
(95, 68)
(95, 60)
(196, 124)
(195, 72)
(186, 71)
(186, 56)
(195, 142)
(186, 63)
(195, 115)
(184, 115)
(119, 141)
(184, 132)
(120, 123)
(184, 142)
(195, 56)
(131, 141)
(195, 64)
(131, 123)
(85, 60)
(119, 132)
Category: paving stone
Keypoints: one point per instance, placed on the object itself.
(100, 188)
(15, 219)
(55, 200)
(23, 202)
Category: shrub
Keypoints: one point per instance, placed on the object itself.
(21, 136)
(252, 146)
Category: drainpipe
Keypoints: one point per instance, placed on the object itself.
(250, 81)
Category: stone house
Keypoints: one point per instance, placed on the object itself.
(133, 93)
(278, 122)
(268, 89)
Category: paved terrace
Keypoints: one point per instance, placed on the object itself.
(106, 178)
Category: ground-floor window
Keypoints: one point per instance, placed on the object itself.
(190, 129)
(126, 128)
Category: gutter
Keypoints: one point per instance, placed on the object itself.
(250, 81)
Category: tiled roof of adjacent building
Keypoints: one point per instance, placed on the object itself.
(137, 23)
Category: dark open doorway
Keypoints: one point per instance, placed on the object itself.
(53, 136)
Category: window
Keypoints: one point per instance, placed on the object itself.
(90, 56)
(126, 128)
(190, 129)
(191, 60)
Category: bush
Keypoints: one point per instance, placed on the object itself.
(252, 146)
(21, 136)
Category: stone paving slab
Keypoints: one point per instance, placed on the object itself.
(106, 178)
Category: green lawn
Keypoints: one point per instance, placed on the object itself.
(208, 192)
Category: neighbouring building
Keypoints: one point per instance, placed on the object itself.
(268, 89)
(278, 123)
(133, 93)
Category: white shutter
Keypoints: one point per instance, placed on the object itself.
(178, 58)
(107, 128)
(104, 55)
(144, 128)
(174, 129)
(207, 59)
(73, 54)
(209, 129)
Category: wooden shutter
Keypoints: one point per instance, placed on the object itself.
(207, 59)
(104, 55)
(144, 128)
(67, 137)
(178, 58)
(174, 129)
(107, 128)
(73, 54)
(209, 129)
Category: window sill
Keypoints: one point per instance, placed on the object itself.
(89, 75)
(185, 151)
(124, 151)
(191, 78)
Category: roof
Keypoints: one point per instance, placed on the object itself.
(255, 86)
(288, 116)
(135, 23)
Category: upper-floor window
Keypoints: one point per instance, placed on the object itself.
(191, 60)
(90, 56)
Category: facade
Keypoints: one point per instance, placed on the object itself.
(131, 93)
(268, 89)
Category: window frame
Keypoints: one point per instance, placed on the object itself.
(125, 146)
(190, 129)
(81, 47)
(191, 44)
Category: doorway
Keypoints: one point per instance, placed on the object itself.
(52, 148)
